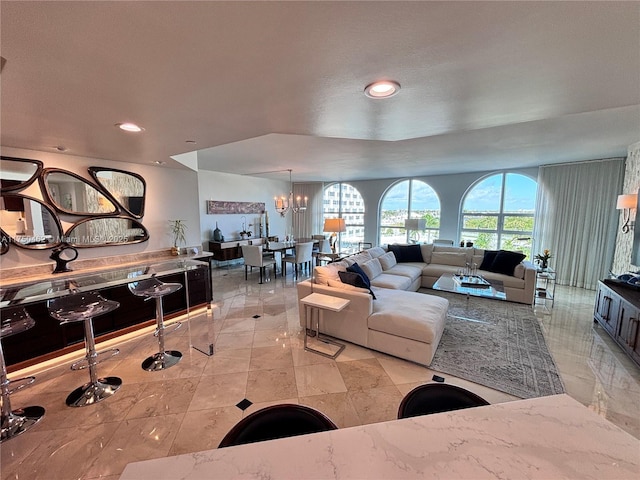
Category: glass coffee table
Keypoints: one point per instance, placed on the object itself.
(476, 287)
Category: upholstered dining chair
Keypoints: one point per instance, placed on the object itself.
(437, 397)
(303, 255)
(277, 421)
(324, 253)
(253, 257)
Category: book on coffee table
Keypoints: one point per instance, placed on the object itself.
(474, 281)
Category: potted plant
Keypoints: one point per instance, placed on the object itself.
(542, 259)
(178, 229)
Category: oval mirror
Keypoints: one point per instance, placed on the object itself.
(29, 222)
(103, 232)
(72, 194)
(127, 188)
(17, 173)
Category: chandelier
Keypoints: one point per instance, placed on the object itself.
(284, 204)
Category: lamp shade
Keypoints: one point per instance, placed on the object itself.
(334, 225)
(415, 224)
(627, 201)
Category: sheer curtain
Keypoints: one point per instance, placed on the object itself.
(310, 222)
(576, 218)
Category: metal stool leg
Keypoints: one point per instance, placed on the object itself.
(15, 422)
(164, 358)
(98, 388)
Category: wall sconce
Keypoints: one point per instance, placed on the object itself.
(626, 203)
(415, 225)
(334, 225)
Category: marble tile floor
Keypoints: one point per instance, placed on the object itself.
(259, 356)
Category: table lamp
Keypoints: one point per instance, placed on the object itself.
(334, 225)
(415, 225)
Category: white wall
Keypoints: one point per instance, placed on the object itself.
(171, 194)
(239, 188)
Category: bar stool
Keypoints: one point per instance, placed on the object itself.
(83, 307)
(154, 288)
(18, 421)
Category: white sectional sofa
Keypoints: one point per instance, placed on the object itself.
(399, 321)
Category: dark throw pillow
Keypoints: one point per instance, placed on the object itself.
(355, 268)
(356, 280)
(506, 262)
(487, 260)
(411, 253)
(396, 251)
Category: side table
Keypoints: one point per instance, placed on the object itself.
(545, 287)
(317, 303)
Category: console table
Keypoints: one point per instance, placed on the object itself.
(617, 309)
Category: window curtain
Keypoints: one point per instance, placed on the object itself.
(308, 223)
(576, 218)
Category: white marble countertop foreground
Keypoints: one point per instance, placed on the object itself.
(542, 438)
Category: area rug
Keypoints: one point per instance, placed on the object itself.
(498, 344)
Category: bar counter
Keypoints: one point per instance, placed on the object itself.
(48, 338)
(542, 438)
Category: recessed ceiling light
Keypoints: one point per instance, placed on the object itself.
(383, 89)
(189, 141)
(129, 127)
(159, 162)
(60, 148)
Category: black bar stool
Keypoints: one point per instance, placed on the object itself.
(154, 288)
(15, 422)
(82, 307)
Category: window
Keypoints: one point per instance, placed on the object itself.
(498, 211)
(409, 199)
(347, 203)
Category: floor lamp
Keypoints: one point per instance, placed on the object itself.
(415, 225)
(335, 226)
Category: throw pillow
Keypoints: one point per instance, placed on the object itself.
(387, 261)
(372, 268)
(355, 279)
(487, 260)
(355, 268)
(376, 252)
(396, 251)
(410, 253)
(506, 262)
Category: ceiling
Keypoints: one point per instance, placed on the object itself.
(265, 86)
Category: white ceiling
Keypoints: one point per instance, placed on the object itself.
(264, 86)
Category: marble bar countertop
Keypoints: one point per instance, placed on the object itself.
(542, 438)
(43, 272)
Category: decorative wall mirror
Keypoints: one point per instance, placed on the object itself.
(29, 222)
(72, 194)
(126, 188)
(106, 231)
(18, 173)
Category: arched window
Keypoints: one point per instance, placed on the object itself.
(498, 211)
(341, 200)
(409, 199)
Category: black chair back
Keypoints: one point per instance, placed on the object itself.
(277, 421)
(436, 398)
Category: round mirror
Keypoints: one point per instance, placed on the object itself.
(103, 232)
(127, 188)
(28, 222)
(72, 194)
(17, 173)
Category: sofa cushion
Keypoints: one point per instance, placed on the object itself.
(427, 250)
(387, 261)
(411, 315)
(505, 262)
(394, 282)
(467, 251)
(355, 268)
(456, 259)
(376, 252)
(411, 270)
(372, 268)
(328, 272)
(360, 258)
(357, 280)
(345, 286)
(487, 259)
(406, 253)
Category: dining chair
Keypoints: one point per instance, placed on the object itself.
(324, 253)
(303, 255)
(253, 257)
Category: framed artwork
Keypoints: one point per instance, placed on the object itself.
(219, 207)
